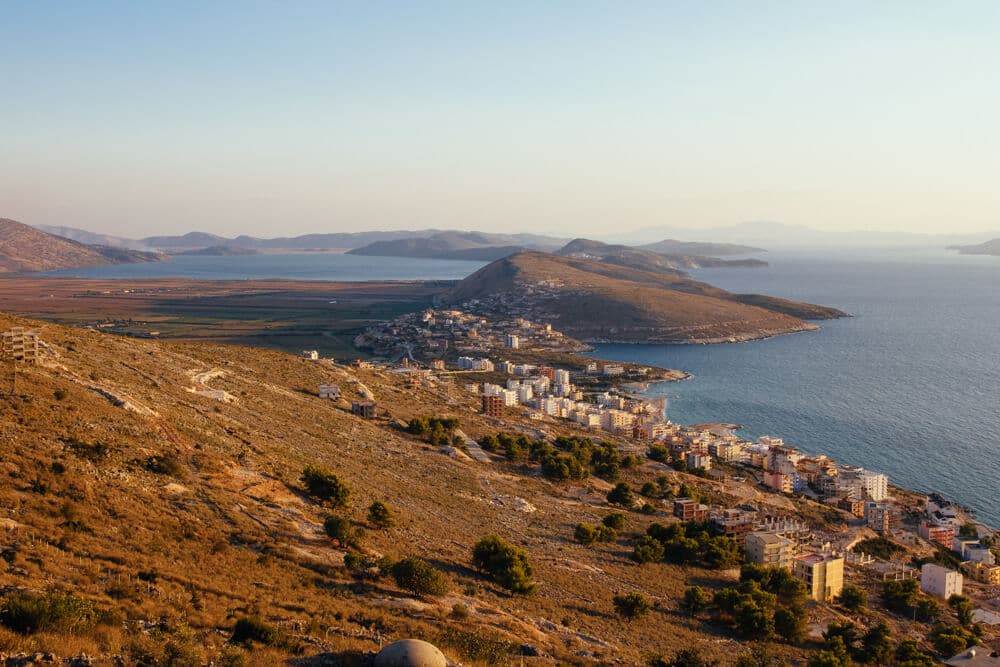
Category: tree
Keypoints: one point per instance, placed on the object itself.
(790, 623)
(853, 598)
(695, 600)
(380, 516)
(419, 577)
(614, 520)
(621, 495)
(647, 550)
(963, 609)
(323, 484)
(844, 632)
(722, 552)
(631, 606)
(507, 564)
(691, 657)
(899, 596)
(949, 640)
(908, 654)
(876, 645)
(927, 609)
(754, 621)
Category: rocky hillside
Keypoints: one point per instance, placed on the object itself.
(598, 301)
(24, 248)
(159, 486)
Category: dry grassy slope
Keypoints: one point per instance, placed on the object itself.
(234, 530)
(601, 301)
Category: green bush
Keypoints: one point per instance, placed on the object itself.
(614, 520)
(380, 516)
(165, 464)
(64, 613)
(507, 564)
(647, 550)
(340, 529)
(249, 629)
(631, 606)
(323, 484)
(621, 495)
(419, 577)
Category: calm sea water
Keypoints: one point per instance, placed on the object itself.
(302, 266)
(910, 385)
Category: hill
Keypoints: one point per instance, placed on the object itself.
(92, 238)
(647, 260)
(674, 247)
(594, 300)
(24, 248)
(991, 247)
(160, 485)
(460, 245)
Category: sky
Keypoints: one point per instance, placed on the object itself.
(569, 118)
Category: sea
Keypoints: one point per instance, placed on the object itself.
(909, 385)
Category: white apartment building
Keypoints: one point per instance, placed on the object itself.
(940, 581)
(513, 342)
(874, 485)
(562, 376)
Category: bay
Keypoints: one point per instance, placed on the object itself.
(910, 385)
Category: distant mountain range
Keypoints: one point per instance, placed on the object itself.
(988, 248)
(24, 249)
(460, 245)
(595, 300)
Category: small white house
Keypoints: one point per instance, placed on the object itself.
(311, 354)
(331, 391)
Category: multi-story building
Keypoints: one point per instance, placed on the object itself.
(734, 523)
(493, 406)
(769, 549)
(689, 509)
(613, 369)
(778, 481)
(855, 506)
(875, 485)
(940, 581)
(512, 341)
(940, 533)
(561, 377)
(880, 517)
(729, 452)
(822, 574)
(697, 461)
(982, 572)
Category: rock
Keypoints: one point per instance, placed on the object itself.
(410, 653)
(529, 650)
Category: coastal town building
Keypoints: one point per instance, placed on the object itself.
(939, 533)
(822, 574)
(688, 509)
(769, 549)
(855, 506)
(940, 581)
(778, 481)
(493, 406)
(880, 517)
(734, 523)
(982, 572)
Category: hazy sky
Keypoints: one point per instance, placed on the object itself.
(276, 118)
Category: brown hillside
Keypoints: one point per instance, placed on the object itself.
(24, 248)
(595, 301)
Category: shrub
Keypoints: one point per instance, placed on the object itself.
(323, 484)
(790, 623)
(853, 598)
(165, 464)
(59, 394)
(459, 612)
(490, 648)
(585, 533)
(249, 629)
(419, 577)
(64, 613)
(340, 529)
(506, 563)
(647, 550)
(631, 606)
(614, 520)
(695, 600)
(380, 516)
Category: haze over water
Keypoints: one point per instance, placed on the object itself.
(910, 385)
